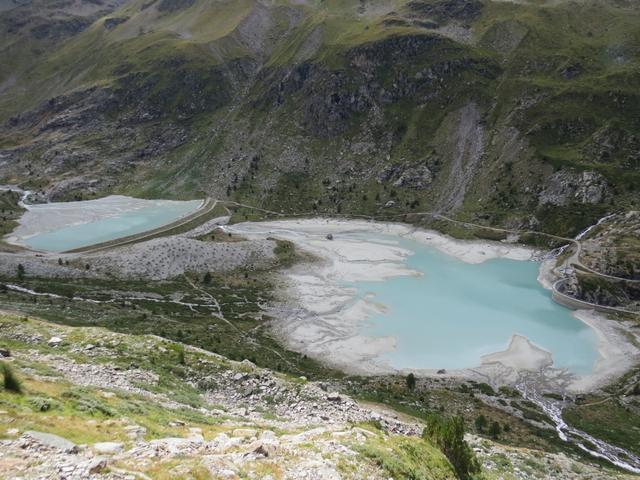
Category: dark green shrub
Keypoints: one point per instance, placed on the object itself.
(41, 404)
(83, 401)
(11, 382)
(411, 381)
(481, 423)
(495, 430)
(180, 353)
(93, 407)
(486, 389)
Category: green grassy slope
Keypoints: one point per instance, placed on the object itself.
(357, 102)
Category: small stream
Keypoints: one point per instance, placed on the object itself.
(24, 194)
(553, 408)
(586, 231)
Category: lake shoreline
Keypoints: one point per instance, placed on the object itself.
(49, 218)
(311, 292)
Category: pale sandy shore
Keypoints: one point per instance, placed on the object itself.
(48, 217)
(324, 318)
(618, 353)
(520, 355)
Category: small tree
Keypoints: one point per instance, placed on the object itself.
(447, 433)
(11, 383)
(481, 423)
(207, 278)
(495, 430)
(181, 357)
(21, 271)
(411, 381)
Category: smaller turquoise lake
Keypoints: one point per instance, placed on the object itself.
(457, 312)
(120, 224)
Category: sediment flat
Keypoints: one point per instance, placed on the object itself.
(321, 318)
(49, 217)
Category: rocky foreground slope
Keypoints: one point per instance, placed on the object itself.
(97, 404)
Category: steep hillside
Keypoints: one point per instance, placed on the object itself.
(511, 113)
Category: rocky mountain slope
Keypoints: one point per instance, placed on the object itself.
(97, 404)
(512, 113)
(521, 115)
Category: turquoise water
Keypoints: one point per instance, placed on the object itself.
(120, 225)
(458, 312)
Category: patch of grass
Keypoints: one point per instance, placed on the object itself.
(286, 253)
(245, 334)
(407, 458)
(608, 420)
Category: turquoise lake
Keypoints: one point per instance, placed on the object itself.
(119, 225)
(456, 312)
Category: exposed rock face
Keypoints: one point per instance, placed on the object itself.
(505, 36)
(611, 249)
(111, 23)
(174, 5)
(417, 176)
(254, 29)
(467, 146)
(108, 448)
(53, 21)
(330, 99)
(571, 71)
(447, 10)
(61, 29)
(609, 144)
(565, 187)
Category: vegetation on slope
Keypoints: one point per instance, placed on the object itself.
(358, 104)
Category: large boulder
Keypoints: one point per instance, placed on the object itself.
(51, 441)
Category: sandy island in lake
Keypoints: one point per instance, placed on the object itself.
(324, 319)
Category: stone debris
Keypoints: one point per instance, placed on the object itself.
(108, 448)
(50, 440)
(264, 422)
(54, 341)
